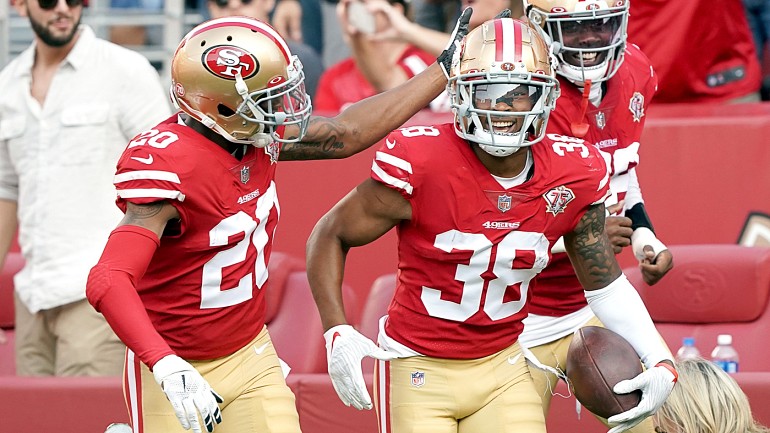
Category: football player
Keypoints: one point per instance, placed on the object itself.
(606, 88)
(179, 279)
(478, 203)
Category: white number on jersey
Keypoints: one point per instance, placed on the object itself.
(154, 138)
(416, 131)
(473, 283)
(213, 295)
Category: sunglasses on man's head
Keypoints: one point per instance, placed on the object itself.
(224, 3)
(50, 4)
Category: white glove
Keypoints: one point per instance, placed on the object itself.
(656, 384)
(345, 348)
(643, 237)
(188, 392)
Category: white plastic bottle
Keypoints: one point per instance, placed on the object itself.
(724, 355)
(688, 349)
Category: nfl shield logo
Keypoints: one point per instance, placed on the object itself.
(600, 120)
(244, 174)
(418, 378)
(504, 203)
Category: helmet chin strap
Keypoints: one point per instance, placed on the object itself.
(260, 139)
(243, 91)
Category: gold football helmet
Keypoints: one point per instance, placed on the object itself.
(588, 36)
(502, 86)
(237, 76)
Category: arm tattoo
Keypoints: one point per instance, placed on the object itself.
(591, 252)
(322, 141)
(136, 212)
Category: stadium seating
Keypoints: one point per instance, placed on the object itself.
(13, 263)
(714, 289)
(292, 318)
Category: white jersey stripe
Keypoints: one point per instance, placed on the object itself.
(146, 174)
(394, 161)
(390, 180)
(132, 391)
(151, 193)
(382, 394)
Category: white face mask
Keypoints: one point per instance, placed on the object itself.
(588, 45)
(502, 113)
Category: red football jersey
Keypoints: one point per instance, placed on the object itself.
(702, 49)
(202, 288)
(614, 127)
(469, 253)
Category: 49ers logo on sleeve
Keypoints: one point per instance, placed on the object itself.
(557, 199)
(226, 61)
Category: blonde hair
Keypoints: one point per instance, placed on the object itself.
(706, 400)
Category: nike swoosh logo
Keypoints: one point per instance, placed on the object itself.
(147, 160)
(390, 144)
(261, 348)
(512, 359)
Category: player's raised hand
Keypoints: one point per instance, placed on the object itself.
(655, 260)
(345, 349)
(656, 384)
(188, 392)
(453, 48)
(505, 13)
(287, 19)
(654, 267)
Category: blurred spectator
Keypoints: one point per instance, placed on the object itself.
(300, 21)
(398, 27)
(435, 14)
(376, 65)
(137, 35)
(334, 47)
(70, 104)
(706, 400)
(702, 50)
(758, 15)
(260, 9)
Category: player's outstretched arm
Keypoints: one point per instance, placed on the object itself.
(365, 214)
(617, 304)
(368, 121)
(111, 289)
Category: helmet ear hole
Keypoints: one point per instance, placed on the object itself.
(224, 110)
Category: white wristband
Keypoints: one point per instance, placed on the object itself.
(167, 366)
(643, 237)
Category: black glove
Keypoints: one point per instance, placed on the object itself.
(506, 13)
(461, 29)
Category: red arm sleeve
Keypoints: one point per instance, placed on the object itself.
(111, 289)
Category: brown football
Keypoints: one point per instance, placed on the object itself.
(597, 360)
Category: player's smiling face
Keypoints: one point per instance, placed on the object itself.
(504, 98)
(587, 34)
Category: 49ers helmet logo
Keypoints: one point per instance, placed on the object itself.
(226, 61)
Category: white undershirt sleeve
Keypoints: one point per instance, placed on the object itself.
(621, 310)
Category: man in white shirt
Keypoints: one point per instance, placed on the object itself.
(71, 102)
